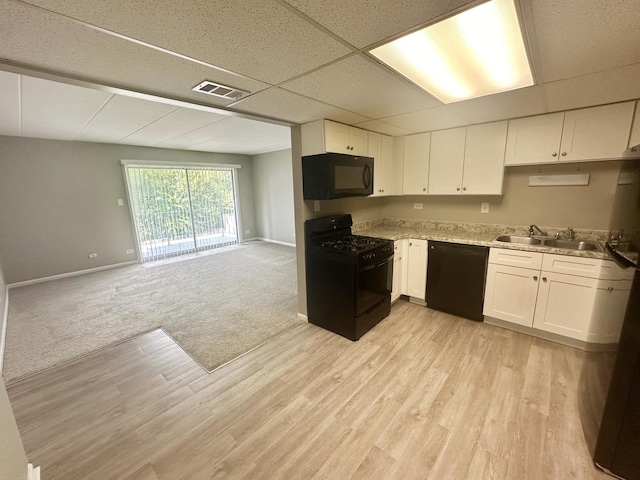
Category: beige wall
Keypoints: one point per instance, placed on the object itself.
(273, 196)
(59, 203)
(586, 207)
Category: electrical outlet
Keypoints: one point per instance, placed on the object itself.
(484, 207)
(120, 202)
(418, 206)
(93, 255)
(130, 251)
(316, 206)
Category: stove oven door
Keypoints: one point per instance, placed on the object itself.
(373, 285)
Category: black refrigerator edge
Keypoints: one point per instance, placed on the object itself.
(610, 381)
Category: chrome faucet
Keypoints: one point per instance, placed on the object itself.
(535, 227)
(571, 235)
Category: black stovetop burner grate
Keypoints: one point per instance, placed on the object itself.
(352, 243)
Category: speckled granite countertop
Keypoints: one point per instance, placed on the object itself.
(473, 234)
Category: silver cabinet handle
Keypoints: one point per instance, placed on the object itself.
(464, 188)
(554, 154)
(544, 279)
(458, 189)
(424, 189)
(564, 154)
(535, 278)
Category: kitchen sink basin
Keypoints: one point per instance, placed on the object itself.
(520, 240)
(573, 244)
(551, 242)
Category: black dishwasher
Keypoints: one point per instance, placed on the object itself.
(455, 278)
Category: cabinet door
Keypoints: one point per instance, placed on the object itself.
(417, 268)
(510, 294)
(381, 148)
(374, 152)
(358, 144)
(386, 154)
(445, 161)
(596, 133)
(399, 277)
(416, 164)
(565, 305)
(336, 137)
(617, 297)
(634, 139)
(534, 139)
(484, 159)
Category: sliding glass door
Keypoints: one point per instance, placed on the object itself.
(182, 210)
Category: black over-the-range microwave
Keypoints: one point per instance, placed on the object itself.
(336, 175)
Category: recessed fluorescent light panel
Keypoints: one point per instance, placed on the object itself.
(475, 53)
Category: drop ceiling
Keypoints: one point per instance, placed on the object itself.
(301, 60)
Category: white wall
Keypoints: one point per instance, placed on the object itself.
(59, 203)
(273, 196)
(13, 460)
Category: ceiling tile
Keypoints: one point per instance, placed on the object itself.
(436, 118)
(120, 117)
(240, 129)
(290, 107)
(384, 128)
(56, 110)
(364, 22)
(257, 38)
(176, 123)
(513, 104)
(76, 51)
(611, 86)
(578, 37)
(9, 104)
(364, 87)
(240, 135)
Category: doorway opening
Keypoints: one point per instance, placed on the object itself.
(180, 210)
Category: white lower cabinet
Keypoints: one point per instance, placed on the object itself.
(565, 306)
(580, 298)
(399, 277)
(611, 305)
(416, 267)
(511, 293)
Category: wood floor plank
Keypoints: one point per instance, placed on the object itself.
(423, 395)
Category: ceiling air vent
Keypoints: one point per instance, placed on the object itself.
(218, 90)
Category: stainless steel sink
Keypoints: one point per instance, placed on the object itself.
(520, 240)
(573, 244)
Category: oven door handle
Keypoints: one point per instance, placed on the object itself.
(378, 265)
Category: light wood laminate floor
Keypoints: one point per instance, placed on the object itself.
(422, 395)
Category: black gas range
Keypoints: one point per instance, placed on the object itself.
(348, 276)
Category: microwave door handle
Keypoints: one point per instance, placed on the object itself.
(366, 175)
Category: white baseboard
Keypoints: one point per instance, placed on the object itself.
(3, 327)
(33, 473)
(70, 274)
(302, 316)
(268, 240)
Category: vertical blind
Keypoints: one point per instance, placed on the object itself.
(182, 210)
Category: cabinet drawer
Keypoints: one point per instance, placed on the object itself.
(515, 258)
(580, 266)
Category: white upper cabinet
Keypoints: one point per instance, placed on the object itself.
(381, 149)
(446, 161)
(597, 133)
(484, 159)
(324, 136)
(534, 139)
(634, 139)
(416, 164)
(468, 160)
